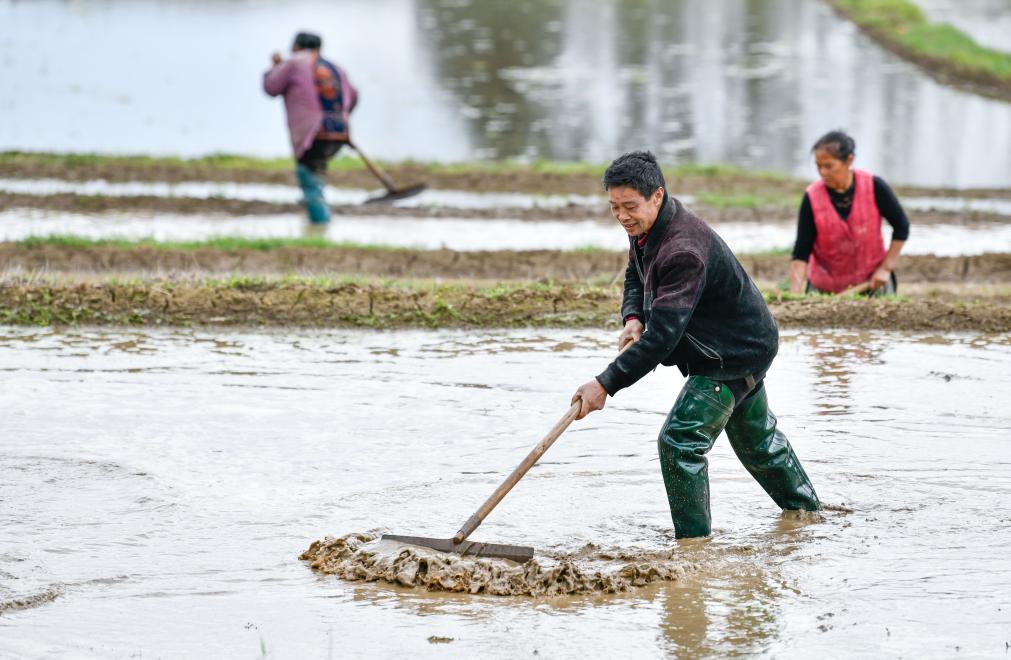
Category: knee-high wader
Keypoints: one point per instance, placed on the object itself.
(703, 409)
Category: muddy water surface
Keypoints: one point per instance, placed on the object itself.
(158, 486)
(753, 83)
(597, 231)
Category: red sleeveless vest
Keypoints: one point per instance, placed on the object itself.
(846, 252)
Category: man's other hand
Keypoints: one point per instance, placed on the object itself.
(275, 57)
(631, 332)
(593, 397)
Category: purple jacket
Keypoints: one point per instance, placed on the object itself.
(295, 79)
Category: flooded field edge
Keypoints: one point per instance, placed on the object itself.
(480, 176)
(741, 208)
(881, 26)
(322, 303)
(537, 265)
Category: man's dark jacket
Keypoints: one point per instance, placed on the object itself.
(701, 310)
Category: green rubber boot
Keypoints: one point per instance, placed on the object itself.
(699, 414)
(768, 456)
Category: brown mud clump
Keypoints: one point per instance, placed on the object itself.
(362, 557)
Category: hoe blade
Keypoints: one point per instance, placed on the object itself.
(397, 193)
(517, 553)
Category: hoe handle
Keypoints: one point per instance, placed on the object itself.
(521, 469)
(518, 473)
(381, 175)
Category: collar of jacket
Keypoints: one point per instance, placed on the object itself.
(659, 228)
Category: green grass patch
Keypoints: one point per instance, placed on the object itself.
(746, 201)
(350, 163)
(905, 25)
(225, 244)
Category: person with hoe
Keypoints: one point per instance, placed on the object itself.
(839, 247)
(688, 302)
(318, 99)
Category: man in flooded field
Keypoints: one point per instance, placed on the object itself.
(688, 302)
(318, 99)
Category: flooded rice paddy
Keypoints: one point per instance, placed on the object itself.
(159, 486)
(750, 83)
(452, 199)
(597, 231)
(275, 193)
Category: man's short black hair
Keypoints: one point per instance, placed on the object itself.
(636, 169)
(308, 41)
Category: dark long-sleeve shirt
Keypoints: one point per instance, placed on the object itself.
(702, 311)
(888, 205)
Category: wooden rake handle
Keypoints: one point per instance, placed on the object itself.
(379, 174)
(521, 469)
(517, 474)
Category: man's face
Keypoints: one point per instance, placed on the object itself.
(635, 212)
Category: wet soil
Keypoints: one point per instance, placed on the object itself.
(386, 304)
(362, 557)
(76, 203)
(539, 265)
(477, 177)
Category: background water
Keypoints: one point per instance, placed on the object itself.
(159, 484)
(988, 22)
(739, 81)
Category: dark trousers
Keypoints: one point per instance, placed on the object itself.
(309, 171)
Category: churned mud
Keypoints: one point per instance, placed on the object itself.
(538, 265)
(363, 557)
(392, 304)
(28, 602)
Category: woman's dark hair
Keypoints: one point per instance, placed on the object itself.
(308, 41)
(837, 143)
(638, 170)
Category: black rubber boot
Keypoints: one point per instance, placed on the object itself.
(768, 456)
(699, 414)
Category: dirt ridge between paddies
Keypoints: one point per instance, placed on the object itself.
(481, 176)
(946, 53)
(714, 207)
(305, 256)
(323, 302)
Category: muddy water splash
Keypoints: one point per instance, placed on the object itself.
(363, 557)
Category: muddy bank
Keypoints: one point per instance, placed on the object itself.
(559, 178)
(99, 204)
(476, 177)
(550, 265)
(362, 557)
(897, 20)
(387, 304)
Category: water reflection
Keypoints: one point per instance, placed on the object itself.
(744, 81)
(836, 360)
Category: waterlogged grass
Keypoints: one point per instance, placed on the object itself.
(351, 163)
(905, 25)
(238, 244)
(746, 201)
(83, 160)
(225, 244)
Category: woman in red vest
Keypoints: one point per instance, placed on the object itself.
(839, 243)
